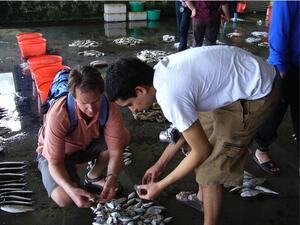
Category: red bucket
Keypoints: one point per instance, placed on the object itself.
(25, 36)
(44, 60)
(241, 7)
(44, 76)
(33, 47)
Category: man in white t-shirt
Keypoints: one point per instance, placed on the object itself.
(216, 96)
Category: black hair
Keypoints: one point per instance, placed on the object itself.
(123, 76)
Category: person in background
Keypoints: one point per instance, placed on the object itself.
(216, 96)
(183, 17)
(59, 151)
(206, 18)
(284, 41)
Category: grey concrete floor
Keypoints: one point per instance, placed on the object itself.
(23, 121)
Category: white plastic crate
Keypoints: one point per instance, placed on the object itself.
(137, 16)
(114, 17)
(114, 8)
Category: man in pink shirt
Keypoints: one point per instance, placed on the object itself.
(59, 150)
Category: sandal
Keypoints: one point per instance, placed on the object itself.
(269, 167)
(190, 199)
(91, 182)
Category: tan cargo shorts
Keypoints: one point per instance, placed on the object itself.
(230, 130)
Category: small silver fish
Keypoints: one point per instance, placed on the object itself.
(266, 190)
(16, 208)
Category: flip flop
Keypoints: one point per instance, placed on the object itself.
(267, 166)
(90, 185)
(190, 199)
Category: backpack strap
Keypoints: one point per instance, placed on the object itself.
(71, 113)
(104, 110)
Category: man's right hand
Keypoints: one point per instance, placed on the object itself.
(152, 174)
(80, 197)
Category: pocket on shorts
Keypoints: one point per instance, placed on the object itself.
(232, 150)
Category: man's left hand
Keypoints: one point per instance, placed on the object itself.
(109, 189)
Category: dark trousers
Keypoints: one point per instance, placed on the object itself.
(209, 30)
(289, 96)
(183, 23)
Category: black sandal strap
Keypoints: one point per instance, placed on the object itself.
(91, 180)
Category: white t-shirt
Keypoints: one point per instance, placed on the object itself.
(206, 78)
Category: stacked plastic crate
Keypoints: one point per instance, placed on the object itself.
(115, 12)
(137, 12)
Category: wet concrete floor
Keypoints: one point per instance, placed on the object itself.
(20, 121)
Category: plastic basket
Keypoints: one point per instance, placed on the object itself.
(26, 36)
(44, 60)
(136, 6)
(153, 14)
(32, 47)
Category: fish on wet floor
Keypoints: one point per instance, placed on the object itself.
(12, 208)
(12, 169)
(7, 176)
(85, 44)
(93, 53)
(13, 163)
(127, 41)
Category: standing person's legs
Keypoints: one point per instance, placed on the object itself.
(183, 23)
(198, 33)
(211, 32)
(291, 92)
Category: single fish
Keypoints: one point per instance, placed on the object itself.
(6, 176)
(20, 180)
(253, 182)
(15, 197)
(13, 163)
(12, 169)
(266, 190)
(24, 193)
(16, 208)
(14, 202)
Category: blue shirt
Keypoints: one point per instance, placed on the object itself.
(284, 35)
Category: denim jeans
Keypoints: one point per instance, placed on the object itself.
(183, 24)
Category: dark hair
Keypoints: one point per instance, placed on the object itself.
(86, 78)
(123, 76)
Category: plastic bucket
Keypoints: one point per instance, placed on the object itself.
(153, 14)
(241, 7)
(43, 77)
(43, 60)
(26, 36)
(32, 47)
(136, 6)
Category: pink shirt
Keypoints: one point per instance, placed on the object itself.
(54, 143)
(207, 11)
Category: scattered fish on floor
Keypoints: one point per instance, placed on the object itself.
(253, 39)
(98, 63)
(251, 187)
(127, 41)
(151, 56)
(93, 53)
(234, 34)
(168, 38)
(85, 44)
(127, 156)
(153, 114)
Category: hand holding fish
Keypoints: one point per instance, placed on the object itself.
(80, 197)
(149, 191)
(109, 189)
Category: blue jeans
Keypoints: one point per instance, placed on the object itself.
(183, 23)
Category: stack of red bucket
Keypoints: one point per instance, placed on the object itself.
(43, 68)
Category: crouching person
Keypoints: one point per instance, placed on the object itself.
(63, 145)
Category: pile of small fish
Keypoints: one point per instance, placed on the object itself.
(127, 41)
(129, 210)
(85, 44)
(253, 39)
(168, 38)
(251, 187)
(126, 156)
(14, 198)
(259, 34)
(98, 63)
(91, 53)
(234, 34)
(151, 56)
(153, 114)
(264, 44)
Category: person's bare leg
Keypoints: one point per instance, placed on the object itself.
(61, 198)
(99, 166)
(212, 202)
(200, 193)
